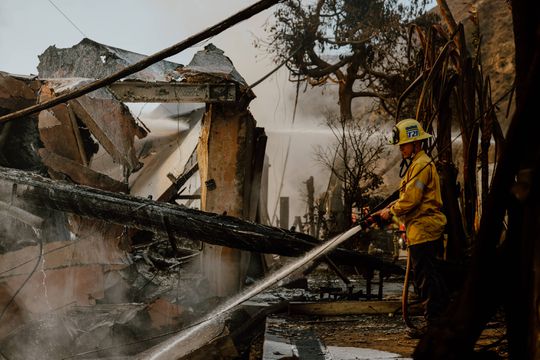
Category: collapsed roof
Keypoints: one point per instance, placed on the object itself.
(92, 60)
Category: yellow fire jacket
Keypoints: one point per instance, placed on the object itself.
(419, 204)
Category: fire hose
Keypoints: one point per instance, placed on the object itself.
(374, 217)
(405, 295)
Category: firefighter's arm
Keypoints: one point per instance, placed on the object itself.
(414, 190)
(385, 213)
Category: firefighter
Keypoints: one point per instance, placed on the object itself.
(419, 208)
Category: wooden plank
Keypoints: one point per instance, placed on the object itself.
(78, 137)
(170, 194)
(113, 126)
(56, 129)
(283, 341)
(337, 308)
(172, 92)
(258, 163)
(80, 174)
(225, 153)
(188, 197)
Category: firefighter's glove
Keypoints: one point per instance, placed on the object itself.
(385, 214)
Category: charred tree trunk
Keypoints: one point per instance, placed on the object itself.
(346, 94)
(519, 266)
(487, 121)
(469, 130)
(524, 227)
(457, 243)
(345, 100)
(465, 101)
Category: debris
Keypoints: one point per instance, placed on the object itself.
(147, 214)
(58, 131)
(21, 215)
(79, 173)
(282, 342)
(81, 61)
(163, 313)
(172, 92)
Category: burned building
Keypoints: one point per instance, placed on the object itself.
(108, 193)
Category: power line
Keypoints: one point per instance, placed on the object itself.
(274, 70)
(26, 280)
(68, 19)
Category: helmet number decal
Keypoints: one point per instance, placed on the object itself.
(412, 131)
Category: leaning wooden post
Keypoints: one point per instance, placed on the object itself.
(225, 155)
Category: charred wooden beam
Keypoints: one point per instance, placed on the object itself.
(79, 173)
(342, 308)
(225, 154)
(188, 197)
(166, 92)
(146, 214)
(170, 195)
(257, 166)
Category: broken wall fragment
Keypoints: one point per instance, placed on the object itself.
(19, 139)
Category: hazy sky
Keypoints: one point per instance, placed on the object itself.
(144, 26)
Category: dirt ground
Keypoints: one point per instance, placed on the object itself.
(379, 332)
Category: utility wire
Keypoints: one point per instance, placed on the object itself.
(68, 19)
(274, 70)
(28, 278)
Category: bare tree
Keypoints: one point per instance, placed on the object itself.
(353, 160)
